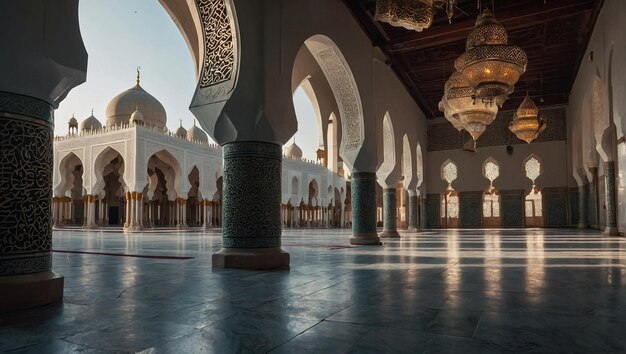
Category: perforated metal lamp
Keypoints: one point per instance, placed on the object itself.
(527, 124)
(490, 65)
(414, 15)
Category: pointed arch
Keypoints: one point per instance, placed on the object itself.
(491, 169)
(345, 90)
(389, 148)
(108, 157)
(407, 161)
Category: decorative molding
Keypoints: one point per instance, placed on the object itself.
(26, 265)
(218, 76)
(26, 106)
(345, 92)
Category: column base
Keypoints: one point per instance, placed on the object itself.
(389, 234)
(582, 226)
(365, 240)
(30, 290)
(251, 258)
(412, 229)
(610, 231)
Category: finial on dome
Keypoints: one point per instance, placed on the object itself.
(181, 122)
(138, 75)
(92, 111)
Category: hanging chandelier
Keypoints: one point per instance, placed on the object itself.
(490, 65)
(527, 124)
(414, 15)
(458, 107)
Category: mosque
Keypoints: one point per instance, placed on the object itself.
(468, 195)
(132, 172)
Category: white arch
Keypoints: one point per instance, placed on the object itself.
(105, 157)
(344, 87)
(389, 149)
(66, 165)
(419, 162)
(489, 172)
(407, 161)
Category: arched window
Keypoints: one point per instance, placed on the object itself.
(491, 197)
(533, 206)
(294, 186)
(450, 198)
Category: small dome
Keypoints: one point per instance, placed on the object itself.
(293, 151)
(73, 122)
(181, 132)
(136, 117)
(195, 133)
(90, 123)
(123, 105)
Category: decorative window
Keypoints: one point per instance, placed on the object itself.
(449, 172)
(491, 170)
(533, 168)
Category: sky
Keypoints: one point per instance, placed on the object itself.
(121, 35)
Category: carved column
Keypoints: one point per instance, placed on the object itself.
(611, 204)
(582, 207)
(364, 209)
(252, 230)
(390, 214)
(413, 209)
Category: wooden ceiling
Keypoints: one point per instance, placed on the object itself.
(554, 34)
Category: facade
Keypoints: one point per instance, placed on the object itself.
(136, 174)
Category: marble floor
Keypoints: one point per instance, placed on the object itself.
(472, 291)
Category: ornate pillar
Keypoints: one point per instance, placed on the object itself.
(252, 230)
(26, 127)
(390, 214)
(90, 220)
(127, 211)
(364, 209)
(413, 209)
(182, 223)
(582, 207)
(611, 204)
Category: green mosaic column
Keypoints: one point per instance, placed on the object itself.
(413, 209)
(251, 206)
(611, 205)
(582, 208)
(390, 214)
(26, 128)
(364, 209)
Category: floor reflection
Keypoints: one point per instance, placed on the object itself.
(469, 291)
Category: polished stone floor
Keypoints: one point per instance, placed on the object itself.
(478, 291)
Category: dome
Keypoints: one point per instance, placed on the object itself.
(181, 132)
(195, 133)
(73, 122)
(137, 117)
(293, 151)
(90, 123)
(123, 105)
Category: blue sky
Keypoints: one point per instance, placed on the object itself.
(121, 35)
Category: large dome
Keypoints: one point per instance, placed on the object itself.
(123, 105)
(196, 134)
(293, 151)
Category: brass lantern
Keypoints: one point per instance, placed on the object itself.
(527, 125)
(415, 15)
(489, 64)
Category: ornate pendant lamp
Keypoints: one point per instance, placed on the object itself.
(490, 65)
(459, 108)
(415, 15)
(527, 125)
